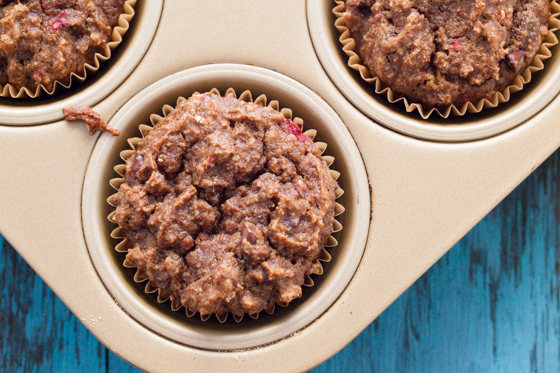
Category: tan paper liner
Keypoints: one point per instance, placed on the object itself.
(355, 63)
(118, 32)
(246, 96)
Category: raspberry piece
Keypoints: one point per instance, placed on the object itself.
(61, 21)
(457, 45)
(38, 76)
(289, 126)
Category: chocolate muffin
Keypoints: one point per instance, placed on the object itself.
(442, 53)
(226, 207)
(44, 41)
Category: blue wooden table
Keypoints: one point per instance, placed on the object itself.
(490, 305)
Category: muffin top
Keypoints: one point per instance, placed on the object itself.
(226, 206)
(440, 53)
(43, 41)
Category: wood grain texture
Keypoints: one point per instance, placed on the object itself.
(490, 305)
(37, 332)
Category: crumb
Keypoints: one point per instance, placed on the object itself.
(93, 120)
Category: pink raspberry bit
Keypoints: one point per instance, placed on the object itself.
(38, 76)
(457, 45)
(61, 21)
(289, 126)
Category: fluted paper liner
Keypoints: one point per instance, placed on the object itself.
(246, 96)
(117, 34)
(355, 62)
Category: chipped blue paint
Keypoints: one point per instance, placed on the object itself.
(490, 305)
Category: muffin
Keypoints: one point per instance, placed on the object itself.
(442, 53)
(45, 41)
(225, 207)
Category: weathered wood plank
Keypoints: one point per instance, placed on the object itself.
(37, 332)
(490, 305)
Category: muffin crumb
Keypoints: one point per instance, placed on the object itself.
(93, 120)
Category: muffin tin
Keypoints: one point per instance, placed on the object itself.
(487, 123)
(211, 334)
(407, 199)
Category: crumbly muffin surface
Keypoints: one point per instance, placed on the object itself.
(226, 206)
(447, 52)
(43, 41)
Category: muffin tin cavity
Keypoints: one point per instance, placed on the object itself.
(124, 59)
(249, 333)
(535, 95)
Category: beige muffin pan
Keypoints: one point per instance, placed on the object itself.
(412, 187)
